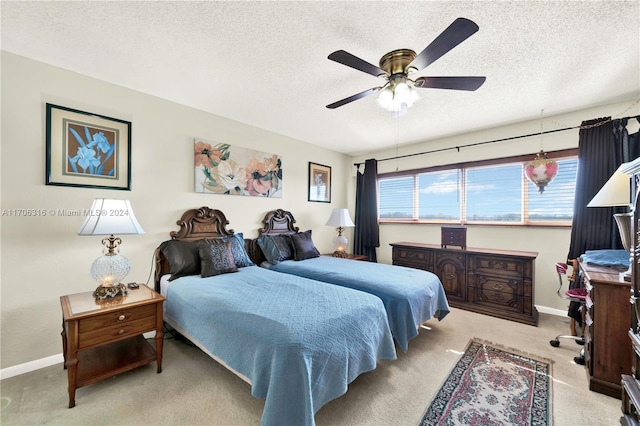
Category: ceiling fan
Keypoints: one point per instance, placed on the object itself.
(395, 67)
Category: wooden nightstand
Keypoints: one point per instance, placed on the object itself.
(349, 256)
(103, 339)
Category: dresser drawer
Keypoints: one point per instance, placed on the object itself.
(489, 290)
(116, 332)
(421, 259)
(499, 266)
(100, 322)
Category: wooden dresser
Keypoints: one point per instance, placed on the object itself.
(492, 282)
(608, 349)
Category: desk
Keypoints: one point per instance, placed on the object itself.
(608, 348)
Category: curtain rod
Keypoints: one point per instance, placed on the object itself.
(494, 141)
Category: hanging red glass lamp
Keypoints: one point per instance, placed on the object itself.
(541, 170)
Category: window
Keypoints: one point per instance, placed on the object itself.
(480, 192)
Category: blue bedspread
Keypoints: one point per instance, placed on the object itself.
(298, 341)
(410, 296)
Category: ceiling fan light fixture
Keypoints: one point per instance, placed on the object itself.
(398, 96)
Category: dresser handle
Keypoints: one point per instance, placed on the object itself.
(121, 331)
(121, 318)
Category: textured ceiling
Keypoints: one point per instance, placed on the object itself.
(265, 63)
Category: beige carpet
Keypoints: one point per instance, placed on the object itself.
(195, 390)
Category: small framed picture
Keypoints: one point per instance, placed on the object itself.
(87, 150)
(319, 183)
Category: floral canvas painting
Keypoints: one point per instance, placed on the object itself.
(225, 169)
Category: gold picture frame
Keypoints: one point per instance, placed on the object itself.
(87, 150)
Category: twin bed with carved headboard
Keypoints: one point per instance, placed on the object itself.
(298, 342)
(298, 335)
(410, 296)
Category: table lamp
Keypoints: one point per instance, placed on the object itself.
(110, 217)
(340, 218)
(617, 192)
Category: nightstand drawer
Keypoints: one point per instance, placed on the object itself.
(116, 332)
(100, 322)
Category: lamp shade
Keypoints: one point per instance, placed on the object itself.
(110, 217)
(615, 192)
(340, 217)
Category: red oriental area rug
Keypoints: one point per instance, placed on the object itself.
(493, 385)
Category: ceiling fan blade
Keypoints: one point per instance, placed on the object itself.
(346, 58)
(456, 33)
(453, 83)
(353, 98)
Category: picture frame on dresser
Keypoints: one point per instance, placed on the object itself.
(319, 189)
(87, 150)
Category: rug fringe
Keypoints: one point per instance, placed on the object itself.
(509, 349)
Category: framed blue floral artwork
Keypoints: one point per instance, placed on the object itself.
(87, 150)
(221, 168)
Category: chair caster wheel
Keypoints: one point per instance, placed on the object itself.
(579, 360)
(555, 343)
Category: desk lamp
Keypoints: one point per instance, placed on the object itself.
(617, 192)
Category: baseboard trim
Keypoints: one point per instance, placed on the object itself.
(27, 367)
(552, 311)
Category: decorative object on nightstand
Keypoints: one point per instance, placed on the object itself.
(110, 217)
(616, 192)
(340, 218)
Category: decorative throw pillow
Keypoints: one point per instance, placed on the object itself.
(275, 248)
(283, 244)
(269, 249)
(303, 247)
(216, 257)
(240, 256)
(183, 258)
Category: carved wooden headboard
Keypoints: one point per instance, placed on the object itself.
(275, 222)
(195, 224)
(278, 222)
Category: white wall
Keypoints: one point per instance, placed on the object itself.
(551, 243)
(42, 258)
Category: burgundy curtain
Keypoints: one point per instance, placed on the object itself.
(367, 235)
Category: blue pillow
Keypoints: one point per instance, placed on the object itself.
(240, 255)
(275, 248)
(269, 249)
